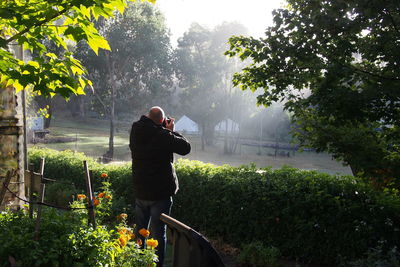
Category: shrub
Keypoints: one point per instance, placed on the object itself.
(258, 254)
(65, 240)
(308, 215)
(67, 167)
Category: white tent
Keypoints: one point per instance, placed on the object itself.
(186, 125)
(232, 128)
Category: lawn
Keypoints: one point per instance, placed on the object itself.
(91, 137)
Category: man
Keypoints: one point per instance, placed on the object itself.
(153, 142)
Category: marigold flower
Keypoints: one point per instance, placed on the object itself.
(122, 240)
(109, 197)
(122, 216)
(130, 234)
(104, 175)
(153, 243)
(102, 194)
(122, 231)
(96, 202)
(144, 232)
(139, 242)
(81, 196)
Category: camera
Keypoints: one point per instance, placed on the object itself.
(166, 120)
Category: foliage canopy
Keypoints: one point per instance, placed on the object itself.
(28, 22)
(335, 65)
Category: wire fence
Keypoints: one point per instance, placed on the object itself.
(33, 201)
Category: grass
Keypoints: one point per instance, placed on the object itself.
(92, 139)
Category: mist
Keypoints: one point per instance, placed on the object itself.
(191, 81)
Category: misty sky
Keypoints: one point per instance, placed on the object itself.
(254, 14)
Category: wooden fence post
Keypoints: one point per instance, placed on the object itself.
(31, 190)
(92, 219)
(41, 199)
(4, 186)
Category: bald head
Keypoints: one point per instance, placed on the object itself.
(156, 114)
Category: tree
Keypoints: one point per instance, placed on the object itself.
(137, 72)
(335, 65)
(25, 23)
(204, 75)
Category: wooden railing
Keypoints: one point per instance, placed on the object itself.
(189, 248)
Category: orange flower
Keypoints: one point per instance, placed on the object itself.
(122, 216)
(153, 243)
(122, 231)
(130, 234)
(104, 175)
(109, 197)
(144, 232)
(122, 240)
(96, 202)
(139, 242)
(102, 194)
(81, 196)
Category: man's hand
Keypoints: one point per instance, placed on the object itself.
(170, 125)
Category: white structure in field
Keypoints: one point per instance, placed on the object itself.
(186, 125)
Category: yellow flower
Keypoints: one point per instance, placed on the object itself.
(81, 196)
(144, 232)
(122, 231)
(122, 216)
(153, 243)
(104, 175)
(102, 194)
(130, 235)
(122, 240)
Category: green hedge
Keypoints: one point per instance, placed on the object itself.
(67, 166)
(308, 215)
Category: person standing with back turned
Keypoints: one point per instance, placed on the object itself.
(153, 142)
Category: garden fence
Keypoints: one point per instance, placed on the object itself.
(31, 183)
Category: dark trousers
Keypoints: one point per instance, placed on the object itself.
(148, 212)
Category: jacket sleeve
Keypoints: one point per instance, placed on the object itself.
(176, 143)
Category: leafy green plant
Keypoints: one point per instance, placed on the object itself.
(66, 240)
(258, 254)
(376, 257)
(290, 208)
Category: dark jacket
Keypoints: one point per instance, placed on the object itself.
(152, 148)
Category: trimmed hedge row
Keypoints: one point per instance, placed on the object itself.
(308, 215)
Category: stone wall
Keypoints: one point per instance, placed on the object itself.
(11, 144)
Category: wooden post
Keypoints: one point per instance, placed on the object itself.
(41, 169)
(4, 186)
(41, 199)
(89, 194)
(31, 190)
(39, 212)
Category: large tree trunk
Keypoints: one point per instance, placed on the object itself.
(81, 103)
(203, 129)
(112, 111)
(109, 155)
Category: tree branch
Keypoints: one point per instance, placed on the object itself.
(392, 20)
(366, 72)
(16, 36)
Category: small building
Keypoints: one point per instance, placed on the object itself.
(186, 125)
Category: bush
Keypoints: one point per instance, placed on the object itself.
(65, 240)
(257, 254)
(67, 167)
(308, 215)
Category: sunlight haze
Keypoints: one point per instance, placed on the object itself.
(254, 14)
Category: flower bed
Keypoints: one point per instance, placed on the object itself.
(307, 215)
